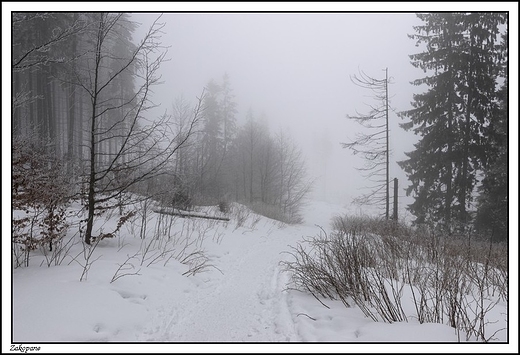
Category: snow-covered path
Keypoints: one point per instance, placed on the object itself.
(244, 300)
(241, 298)
(241, 301)
(220, 310)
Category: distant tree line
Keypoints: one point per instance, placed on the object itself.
(458, 171)
(226, 162)
(81, 101)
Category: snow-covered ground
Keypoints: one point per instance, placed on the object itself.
(241, 296)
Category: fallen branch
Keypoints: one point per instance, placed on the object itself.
(191, 214)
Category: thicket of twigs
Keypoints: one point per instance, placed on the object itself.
(383, 268)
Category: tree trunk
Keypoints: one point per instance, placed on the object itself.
(465, 156)
(71, 102)
(80, 139)
(92, 175)
(51, 117)
(71, 107)
(93, 145)
(387, 153)
(16, 116)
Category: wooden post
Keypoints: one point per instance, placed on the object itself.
(395, 199)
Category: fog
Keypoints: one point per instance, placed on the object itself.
(294, 69)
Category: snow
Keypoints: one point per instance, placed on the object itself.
(240, 297)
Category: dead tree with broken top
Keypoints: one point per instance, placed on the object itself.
(373, 142)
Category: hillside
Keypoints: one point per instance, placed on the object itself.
(212, 281)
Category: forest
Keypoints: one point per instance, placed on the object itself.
(82, 129)
(81, 98)
(96, 159)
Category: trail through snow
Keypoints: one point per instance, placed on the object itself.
(220, 310)
(245, 299)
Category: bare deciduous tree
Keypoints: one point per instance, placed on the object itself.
(126, 148)
(30, 54)
(293, 186)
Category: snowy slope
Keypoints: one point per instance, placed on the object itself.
(241, 297)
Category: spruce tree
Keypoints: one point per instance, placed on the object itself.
(492, 213)
(453, 115)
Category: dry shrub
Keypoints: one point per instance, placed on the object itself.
(372, 264)
(40, 192)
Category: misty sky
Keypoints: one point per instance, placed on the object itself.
(294, 69)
